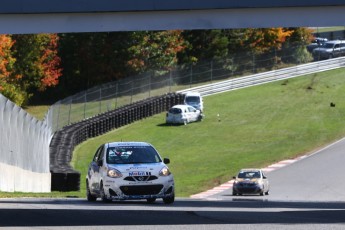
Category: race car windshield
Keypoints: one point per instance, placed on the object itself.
(132, 155)
(248, 175)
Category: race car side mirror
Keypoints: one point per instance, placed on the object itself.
(166, 160)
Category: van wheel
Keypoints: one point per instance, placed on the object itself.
(330, 56)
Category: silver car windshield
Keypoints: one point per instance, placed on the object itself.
(329, 45)
(132, 155)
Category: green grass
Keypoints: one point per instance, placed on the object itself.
(328, 29)
(257, 126)
(38, 111)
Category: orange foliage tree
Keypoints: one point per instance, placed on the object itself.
(262, 40)
(37, 62)
(9, 81)
(49, 63)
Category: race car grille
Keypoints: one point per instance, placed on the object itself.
(247, 190)
(140, 178)
(141, 189)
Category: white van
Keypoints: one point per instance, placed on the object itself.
(194, 99)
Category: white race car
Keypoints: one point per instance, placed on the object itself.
(250, 181)
(183, 114)
(129, 171)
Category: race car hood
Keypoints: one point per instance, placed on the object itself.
(139, 169)
(248, 180)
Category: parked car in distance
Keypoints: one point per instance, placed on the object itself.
(250, 181)
(183, 114)
(194, 99)
(330, 49)
(129, 171)
(317, 42)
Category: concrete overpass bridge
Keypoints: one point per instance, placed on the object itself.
(68, 16)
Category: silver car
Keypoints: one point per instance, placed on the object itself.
(250, 181)
(129, 171)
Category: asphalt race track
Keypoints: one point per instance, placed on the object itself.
(308, 194)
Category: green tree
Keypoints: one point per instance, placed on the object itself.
(89, 59)
(204, 45)
(295, 46)
(37, 62)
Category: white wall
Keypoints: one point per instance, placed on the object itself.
(24, 150)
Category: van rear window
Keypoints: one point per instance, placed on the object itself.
(191, 99)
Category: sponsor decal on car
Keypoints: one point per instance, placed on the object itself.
(136, 173)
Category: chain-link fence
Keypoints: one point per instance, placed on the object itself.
(116, 94)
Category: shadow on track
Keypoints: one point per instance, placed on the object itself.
(182, 212)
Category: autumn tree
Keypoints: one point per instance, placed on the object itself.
(37, 61)
(9, 81)
(295, 45)
(264, 39)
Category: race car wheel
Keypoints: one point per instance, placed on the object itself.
(103, 196)
(89, 196)
(169, 200)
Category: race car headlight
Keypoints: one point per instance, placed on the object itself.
(114, 173)
(164, 172)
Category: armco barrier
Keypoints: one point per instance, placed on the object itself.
(266, 77)
(64, 177)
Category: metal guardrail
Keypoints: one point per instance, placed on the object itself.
(263, 78)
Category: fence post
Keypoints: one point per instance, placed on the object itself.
(191, 75)
(170, 80)
(100, 100)
(153, 73)
(253, 63)
(131, 92)
(232, 67)
(85, 105)
(117, 88)
(69, 112)
(211, 71)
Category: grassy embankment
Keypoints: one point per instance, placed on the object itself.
(257, 126)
